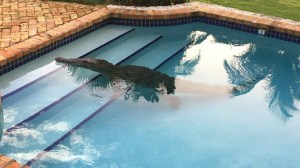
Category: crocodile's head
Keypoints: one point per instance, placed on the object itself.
(88, 63)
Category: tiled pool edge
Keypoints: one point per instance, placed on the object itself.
(23, 52)
(39, 45)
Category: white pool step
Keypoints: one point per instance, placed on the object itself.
(63, 115)
(41, 66)
(55, 86)
(156, 53)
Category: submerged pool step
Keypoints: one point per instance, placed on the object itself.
(157, 53)
(84, 126)
(101, 108)
(39, 68)
(59, 122)
(60, 67)
(58, 119)
(52, 89)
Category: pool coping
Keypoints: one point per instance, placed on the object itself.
(6, 162)
(25, 51)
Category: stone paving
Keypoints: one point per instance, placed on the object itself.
(22, 19)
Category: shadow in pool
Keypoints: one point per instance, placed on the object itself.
(279, 69)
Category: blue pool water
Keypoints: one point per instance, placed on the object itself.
(236, 102)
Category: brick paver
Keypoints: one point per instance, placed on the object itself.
(22, 19)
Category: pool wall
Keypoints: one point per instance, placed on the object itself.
(23, 52)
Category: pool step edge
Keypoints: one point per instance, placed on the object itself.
(101, 108)
(57, 69)
(45, 109)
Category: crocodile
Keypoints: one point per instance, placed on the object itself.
(137, 75)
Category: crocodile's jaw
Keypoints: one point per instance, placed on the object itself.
(101, 66)
(77, 62)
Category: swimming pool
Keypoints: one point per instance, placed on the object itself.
(236, 107)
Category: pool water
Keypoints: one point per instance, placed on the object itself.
(236, 102)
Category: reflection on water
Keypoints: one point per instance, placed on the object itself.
(87, 153)
(137, 82)
(191, 56)
(280, 70)
(247, 62)
(68, 152)
(18, 143)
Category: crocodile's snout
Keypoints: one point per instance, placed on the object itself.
(59, 59)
